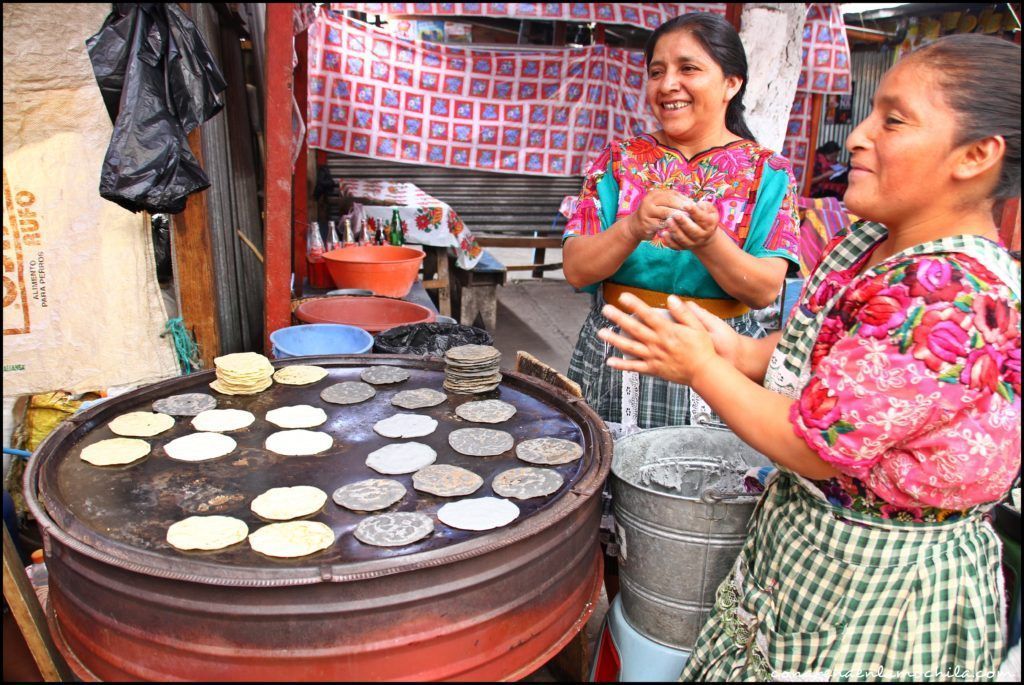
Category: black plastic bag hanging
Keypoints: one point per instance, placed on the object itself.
(158, 81)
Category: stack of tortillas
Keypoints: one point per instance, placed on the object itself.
(472, 369)
(242, 373)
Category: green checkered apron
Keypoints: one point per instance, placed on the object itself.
(660, 403)
(824, 593)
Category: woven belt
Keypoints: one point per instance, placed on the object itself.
(723, 309)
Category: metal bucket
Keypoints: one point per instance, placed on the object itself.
(681, 517)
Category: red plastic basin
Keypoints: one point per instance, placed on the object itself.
(387, 270)
(372, 314)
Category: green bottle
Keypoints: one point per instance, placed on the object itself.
(396, 237)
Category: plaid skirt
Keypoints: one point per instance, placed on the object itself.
(813, 596)
(661, 403)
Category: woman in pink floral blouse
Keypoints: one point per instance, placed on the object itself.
(890, 402)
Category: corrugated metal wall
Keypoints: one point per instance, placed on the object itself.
(867, 68)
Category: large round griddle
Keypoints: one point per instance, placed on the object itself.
(124, 512)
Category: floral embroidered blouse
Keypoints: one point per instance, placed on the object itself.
(914, 393)
(751, 186)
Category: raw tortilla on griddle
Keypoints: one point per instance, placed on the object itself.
(405, 457)
(299, 443)
(482, 513)
(223, 420)
(200, 446)
(297, 416)
(405, 426)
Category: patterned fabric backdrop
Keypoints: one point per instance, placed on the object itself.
(547, 112)
(826, 70)
(647, 15)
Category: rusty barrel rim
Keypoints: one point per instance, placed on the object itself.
(597, 456)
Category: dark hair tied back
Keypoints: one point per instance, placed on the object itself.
(720, 40)
(980, 78)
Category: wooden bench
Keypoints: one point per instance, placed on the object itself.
(476, 291)
(501, 210)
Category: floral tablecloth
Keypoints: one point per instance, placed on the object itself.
(425, 219)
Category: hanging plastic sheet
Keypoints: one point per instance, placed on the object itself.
(159, 81)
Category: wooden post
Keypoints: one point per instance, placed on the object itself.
(816, 103)
(278, 190)
(1009, 225)
(733, 14)
(300, 180)
(194, 272)
(24, 604)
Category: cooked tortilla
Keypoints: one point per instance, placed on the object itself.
(486, 411)
(283, 504)
(349, 392)
(480, 442)
(418, 398)
(187, 404)
(526, 482)
(384, 375)
(115, 451)
(206, 532)
(395, 529)
(299, 374)
(372, 494)
(292, 539)
(141, 424)
(445, 480)
(548, 451)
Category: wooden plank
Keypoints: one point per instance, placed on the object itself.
(511, 241)
(28, 614)
(1009, 224)
(734, 14)
(527, 364)
(193, 267)
(278, 186)
(536, 267)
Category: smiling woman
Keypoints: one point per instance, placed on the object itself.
(696, 209)
(891, 401)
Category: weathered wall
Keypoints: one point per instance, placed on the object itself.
(82, 309)
(771, 34)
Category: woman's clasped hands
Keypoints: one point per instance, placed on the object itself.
(678, 221)
(675, 347)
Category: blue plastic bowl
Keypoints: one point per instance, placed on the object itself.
(319, 338)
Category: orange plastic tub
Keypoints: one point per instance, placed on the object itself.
(372, 314)
(387, 270)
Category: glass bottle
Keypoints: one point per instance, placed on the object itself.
(378, 234)
(314, 244)
(397, 238)
(333, 243)
(348, 237)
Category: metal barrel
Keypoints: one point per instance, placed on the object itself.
(681, 518)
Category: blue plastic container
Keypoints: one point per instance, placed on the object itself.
(319, 338)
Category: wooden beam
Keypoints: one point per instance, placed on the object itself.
(300, 206)
(816, 103)
(278, 190)
(1009, 224)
